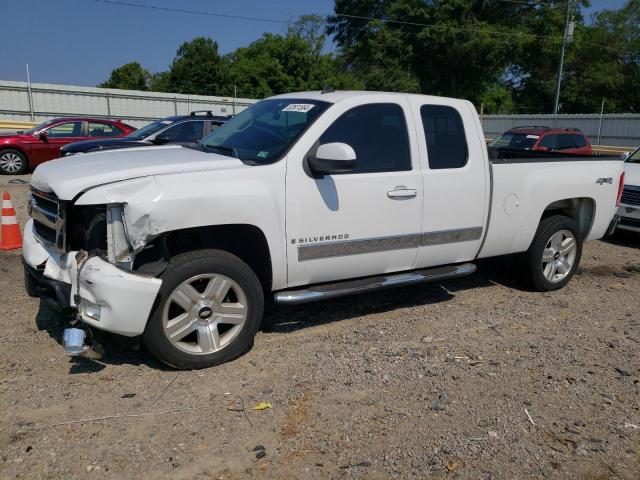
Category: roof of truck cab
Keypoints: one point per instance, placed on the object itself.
(339, 95)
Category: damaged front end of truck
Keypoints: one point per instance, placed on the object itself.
(83, 252)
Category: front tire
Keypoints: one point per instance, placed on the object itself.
(13, 162)
(554, 254)
(208, 311)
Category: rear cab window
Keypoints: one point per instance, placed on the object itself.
(445, 137)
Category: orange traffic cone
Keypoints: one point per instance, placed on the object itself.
(10, 237)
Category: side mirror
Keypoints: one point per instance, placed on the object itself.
(43, 136)
(624, 156)
(161, 140)
(332, 158)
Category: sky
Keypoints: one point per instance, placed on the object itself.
(79, 42)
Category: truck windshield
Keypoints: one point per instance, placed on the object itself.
(634, 157)
(514, 140)
(264, 132)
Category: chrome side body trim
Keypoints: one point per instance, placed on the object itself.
(351, 287)
(316, 251)
(451, 236)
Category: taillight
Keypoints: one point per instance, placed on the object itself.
(620, 187)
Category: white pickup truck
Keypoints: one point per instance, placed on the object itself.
(629, 210)
(301, 197)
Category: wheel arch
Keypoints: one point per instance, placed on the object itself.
(247, 242)
(581, 210)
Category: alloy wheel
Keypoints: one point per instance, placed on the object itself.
(10, 162)
(204, 313)
(559, 256)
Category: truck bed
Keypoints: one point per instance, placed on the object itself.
(524, 184)
(512, 155)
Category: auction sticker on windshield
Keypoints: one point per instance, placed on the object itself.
(298, 107)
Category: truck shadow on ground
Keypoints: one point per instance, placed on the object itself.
(118, 350)
(109, 349)
(499, 270)
(623, 238)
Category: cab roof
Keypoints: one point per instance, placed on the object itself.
(341, 95)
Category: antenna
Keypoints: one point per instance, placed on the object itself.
(327, 89)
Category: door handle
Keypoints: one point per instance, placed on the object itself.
(402, 192)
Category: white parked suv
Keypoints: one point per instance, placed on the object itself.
(301, 197)
(629, 210)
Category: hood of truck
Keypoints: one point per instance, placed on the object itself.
(69, 176)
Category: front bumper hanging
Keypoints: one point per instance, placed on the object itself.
(105, 296)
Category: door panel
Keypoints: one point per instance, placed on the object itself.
(361, 223)
(455, 181)
(58, 135)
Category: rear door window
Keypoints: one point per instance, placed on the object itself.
(212, 126)
(377, 133)
(445, 137)
(549, 141)
(579, 141)
(565, 142)
(97, 129)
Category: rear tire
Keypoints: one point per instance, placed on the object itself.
(554, 254)
(13, 162)
(208, 310)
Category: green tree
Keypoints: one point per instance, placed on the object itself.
(197, 69)
(130, 76)
(159, 82)
(606, 63)
(276, 64)
(311, 28)
(450, 47)
(533, 72)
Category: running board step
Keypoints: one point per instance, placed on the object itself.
(350, 287)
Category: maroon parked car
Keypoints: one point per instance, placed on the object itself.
(545, 139)
(23, 150)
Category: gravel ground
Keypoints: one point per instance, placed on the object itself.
(468, 379)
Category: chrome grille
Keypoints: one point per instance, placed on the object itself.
(631, 195)
(48, 218)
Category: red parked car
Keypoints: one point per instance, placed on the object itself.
(23, 150)
(545, 139)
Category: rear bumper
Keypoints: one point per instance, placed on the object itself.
(105, 296)
(629, 218)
